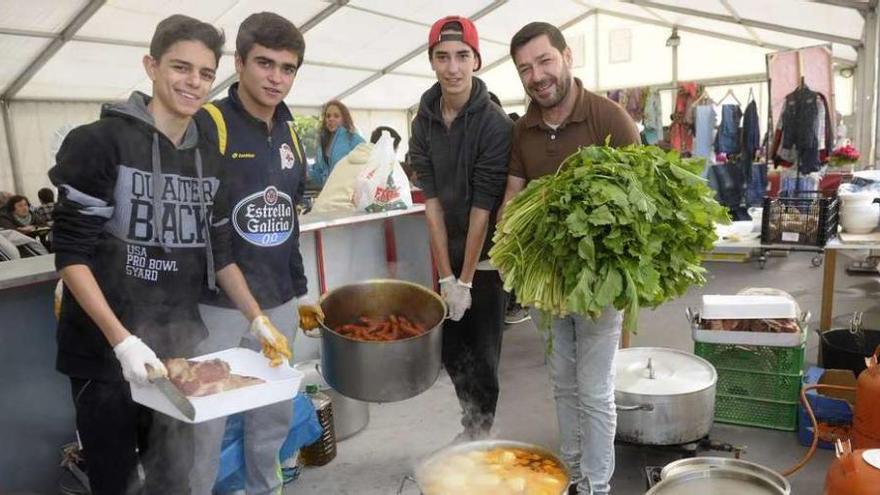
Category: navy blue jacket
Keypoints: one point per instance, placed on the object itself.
(255, 224)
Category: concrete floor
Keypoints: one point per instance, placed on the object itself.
(376, 460)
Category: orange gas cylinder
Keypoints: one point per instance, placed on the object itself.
(866, 419)
(853, 473)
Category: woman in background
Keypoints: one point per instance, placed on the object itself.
(17, 215)
(336, 139)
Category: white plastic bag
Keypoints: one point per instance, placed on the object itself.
(383, 184)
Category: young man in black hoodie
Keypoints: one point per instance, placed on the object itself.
(459, 148)
(264, 173)
(133, 248)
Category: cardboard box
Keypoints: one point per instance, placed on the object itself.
(833, 408)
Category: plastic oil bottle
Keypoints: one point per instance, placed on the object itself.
(323, 450)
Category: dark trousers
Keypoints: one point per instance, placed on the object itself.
(472, 351)
(116, 433)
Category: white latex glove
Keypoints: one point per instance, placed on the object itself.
(134, 356)
(458, 298)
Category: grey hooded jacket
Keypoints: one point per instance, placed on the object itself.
(464, 166)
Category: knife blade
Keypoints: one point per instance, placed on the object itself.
(174, 395)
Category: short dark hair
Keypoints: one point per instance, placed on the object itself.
(18, 198)
(377, 133)
(272, 31)
(46, 195)
(534, 29)
(180, 27)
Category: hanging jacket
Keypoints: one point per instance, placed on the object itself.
(464, 166)
(151, 268)
(681, 131)
(653, 118)
(751, 131)
(341, 144)
(727, 139)
(256, 224)
(803, 135)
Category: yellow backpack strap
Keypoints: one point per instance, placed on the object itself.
(296, 146)
(217, 117)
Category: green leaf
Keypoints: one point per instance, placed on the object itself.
(601, 216)
(609, 288)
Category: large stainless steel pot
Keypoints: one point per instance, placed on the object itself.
(719, 476)
(704, 464)
(381, 371)
(439, 458)
(663, 396)
(349, 415)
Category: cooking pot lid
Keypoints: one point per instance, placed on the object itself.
(720, 481)
(872, 457)
(661, 371)
(691, 464)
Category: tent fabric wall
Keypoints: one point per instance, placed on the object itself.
(7, 182)
(371, 51)
(35, 125)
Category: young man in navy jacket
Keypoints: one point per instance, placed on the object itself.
(263, 179)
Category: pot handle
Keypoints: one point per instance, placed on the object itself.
(637, 407)
(314, 333)
(403, 483)
(693, 316)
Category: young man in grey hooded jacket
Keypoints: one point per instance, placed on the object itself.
(460, 147)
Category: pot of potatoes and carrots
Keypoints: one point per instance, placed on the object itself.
(381, 339)
(491, 467)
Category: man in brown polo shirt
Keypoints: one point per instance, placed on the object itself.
(562, 117)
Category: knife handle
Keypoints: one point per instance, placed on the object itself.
(153, 373)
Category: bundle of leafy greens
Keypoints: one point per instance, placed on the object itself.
(623, 227)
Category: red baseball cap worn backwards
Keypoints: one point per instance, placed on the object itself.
(467, 36)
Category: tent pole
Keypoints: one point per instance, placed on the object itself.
(596, 49)
(866, 90)
(17, 182)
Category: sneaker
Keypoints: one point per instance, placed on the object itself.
(516, 314)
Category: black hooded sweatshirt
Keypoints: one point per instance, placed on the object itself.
(107, 173)
(464, 166)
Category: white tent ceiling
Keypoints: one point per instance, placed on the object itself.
(371, 52)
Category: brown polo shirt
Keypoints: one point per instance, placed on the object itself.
(538, 149)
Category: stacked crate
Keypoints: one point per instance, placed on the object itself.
(757, 385)
(759, 375)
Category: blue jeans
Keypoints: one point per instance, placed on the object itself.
(581, 366)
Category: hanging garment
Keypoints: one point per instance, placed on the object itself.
(681, 131)
(653, 118)
(751, 132)
(727, 140)
(704, 131)
(798, 141)
(635, 103)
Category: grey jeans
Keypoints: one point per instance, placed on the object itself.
(581, 366)
(265, 429)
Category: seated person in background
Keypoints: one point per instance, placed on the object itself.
(15, 245)
(47, 205)
(17, 216)
(339, 188)
(336, 139)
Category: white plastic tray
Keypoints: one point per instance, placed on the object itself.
(738, 307)
(282, 383)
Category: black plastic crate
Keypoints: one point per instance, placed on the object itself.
(807, 220)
